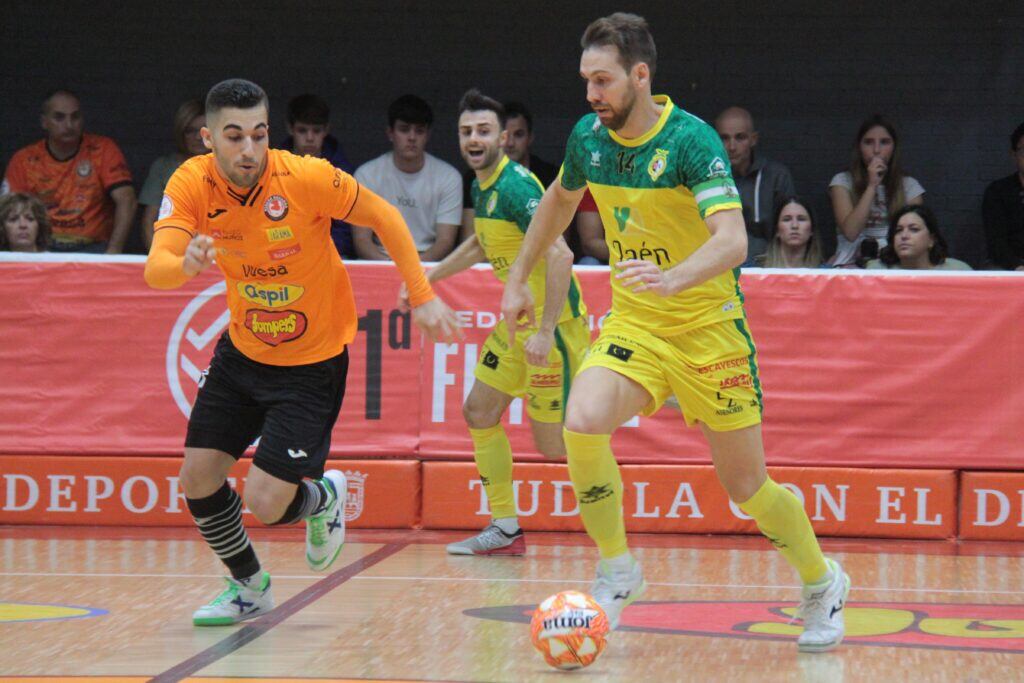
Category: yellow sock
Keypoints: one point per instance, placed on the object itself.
(598, 486)
(493, 455)
(781, 518)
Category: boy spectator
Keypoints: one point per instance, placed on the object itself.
(81, 178)
(309, 133)
(1003, 212)
(426, 190)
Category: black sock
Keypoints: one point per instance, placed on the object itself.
(219, 518)
(310, 498)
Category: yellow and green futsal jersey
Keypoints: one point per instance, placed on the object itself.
(653, 193)
(504, 205)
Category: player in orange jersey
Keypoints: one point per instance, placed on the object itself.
(279, 371)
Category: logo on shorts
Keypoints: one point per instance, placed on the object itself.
(490, 360)
(355, 495)
(84, 168)
(297, 454)
(731, 406)
(166, 208)
(271, 296)
(616, 351)
(596, 493)
(275, 327)
(276, 207)
(736, 381)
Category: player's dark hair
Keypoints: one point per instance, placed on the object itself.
(937, 254)
(308, 108)
(893, 179)
(1015, 137)
(474, 100)
(629, 34)
(58, 91)
(514, 109)
(236, 93)
(411, 109)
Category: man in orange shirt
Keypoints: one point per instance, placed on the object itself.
(279, 371)
(82, 179)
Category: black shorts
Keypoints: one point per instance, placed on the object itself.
(291, 408)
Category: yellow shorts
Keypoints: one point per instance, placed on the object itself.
(545, 389)
(711, 370)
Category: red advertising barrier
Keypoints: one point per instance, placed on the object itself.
(886, 503)
(144, 491)
(992, 506)
(858, 370)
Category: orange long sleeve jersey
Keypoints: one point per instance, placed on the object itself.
(289, 294)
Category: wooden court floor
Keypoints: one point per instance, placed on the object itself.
(114, 604)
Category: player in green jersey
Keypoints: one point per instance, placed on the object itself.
(675, 231)
(539, 362)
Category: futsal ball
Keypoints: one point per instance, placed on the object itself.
(569, 630)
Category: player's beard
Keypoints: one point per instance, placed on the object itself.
(620, 116)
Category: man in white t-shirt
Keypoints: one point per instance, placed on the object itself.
(426, 190)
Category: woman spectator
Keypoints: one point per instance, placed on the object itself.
(794, 242)
(864, 197)
(915, 243)
(26, 227)
(188, 121)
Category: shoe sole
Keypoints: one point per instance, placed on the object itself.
(226, 621)
(323, 565)
(827, 647)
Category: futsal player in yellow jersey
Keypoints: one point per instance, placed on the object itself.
(663, 186)
(540, 362)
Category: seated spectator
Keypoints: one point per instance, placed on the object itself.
(915, 243)
(26, 227)
(591, 232)
(425, 189)
(794, 243)
(309, 134)
(762, 183)
(188, 121)
(864, 197)
(1003, 212)
(518, 141)
(81, 178)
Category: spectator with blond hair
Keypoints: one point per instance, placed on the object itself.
(188, 121)
(26, 227)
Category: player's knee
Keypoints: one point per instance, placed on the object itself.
(742, 487)
(265, 508)
(583, 418)
(551, 449)
(479, 416)
(197, 481)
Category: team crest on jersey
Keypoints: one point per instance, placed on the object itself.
(355, 495)
(716, 169)
(84, 168)
(166, 208)
(658, 164)
(276, 207)
(492, 203)
(531, 206)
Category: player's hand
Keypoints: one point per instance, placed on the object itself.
(198, 255)
(437, 321)
(538, 346)
(876, 171)
(643, 276)
(517, 308)
(403, 299)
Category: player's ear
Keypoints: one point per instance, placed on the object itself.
(503, 137)
(641, 74)
(204, 132)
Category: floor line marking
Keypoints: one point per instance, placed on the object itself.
(311, 577)
(262, 625)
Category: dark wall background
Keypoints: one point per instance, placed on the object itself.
(950, 74)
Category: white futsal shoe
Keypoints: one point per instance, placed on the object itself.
(615, 588)
(325, 532)
(238, 602)
(822, 612)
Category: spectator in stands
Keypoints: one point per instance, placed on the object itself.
(762, 183)
(915, 243)
(26, 227)
(874, 189)
(426, 190)
(794, 243)
(189, 119)
(518, 142)
(591, 232)
(1003, 212)
(309, 133)
(81, 178)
